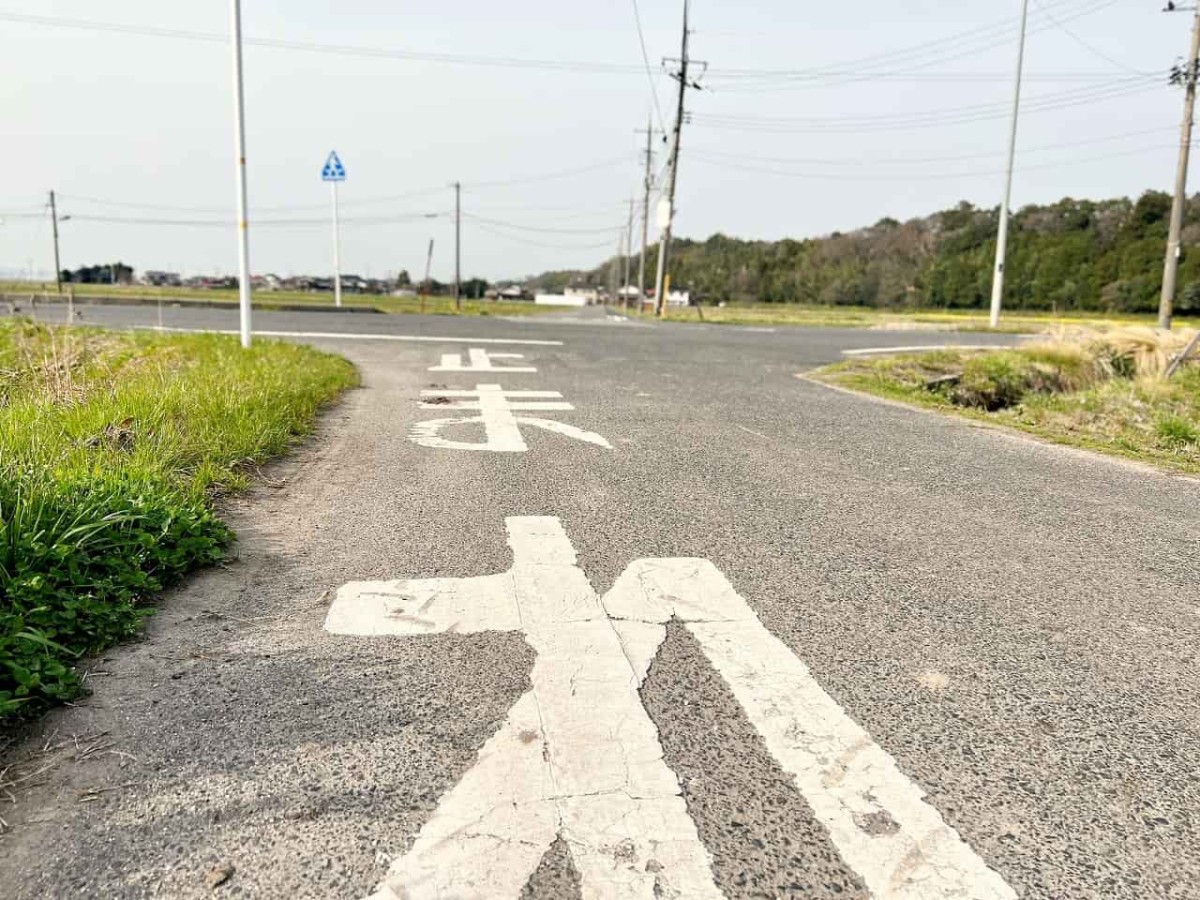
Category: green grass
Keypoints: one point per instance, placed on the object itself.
(1016, 321)
(1081, 396)
(112, 448)
(439, 306)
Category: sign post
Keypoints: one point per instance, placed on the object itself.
(334, 172)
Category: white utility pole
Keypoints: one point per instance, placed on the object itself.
(1002, 235)
(647, 185)
(337, 249)
(457, 245)
(239, 107)
(628, 254)
(1166, 305)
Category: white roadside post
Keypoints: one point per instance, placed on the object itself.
(239, 107)
(334, 172)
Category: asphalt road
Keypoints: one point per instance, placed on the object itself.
(895, 655)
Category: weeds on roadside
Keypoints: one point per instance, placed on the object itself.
(111, 448)
(1103, 391)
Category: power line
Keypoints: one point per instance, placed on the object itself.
(126, 204)
(1091, 48)
(533, 242)
(940, 176)
(389, 198)
(637, 19)
(584, 66)
(923, 55)
(920, 160)
(550, 176)
(259, 223)
(336, 49)
(922, 116)
(919, 121)
(503, 223)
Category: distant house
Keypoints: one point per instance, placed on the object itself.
(679, 298)
(587, 295)
(560, 300)
(512, 292)
(162, 279)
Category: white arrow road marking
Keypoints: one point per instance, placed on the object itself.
(479, 360)
(502, 433)
(579, 758)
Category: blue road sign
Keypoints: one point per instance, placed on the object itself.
(334, 170)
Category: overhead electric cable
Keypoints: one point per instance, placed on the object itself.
(637, 19)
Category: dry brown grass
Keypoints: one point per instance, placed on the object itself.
(1128, 350)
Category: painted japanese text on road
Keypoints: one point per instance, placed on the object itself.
(578, 758)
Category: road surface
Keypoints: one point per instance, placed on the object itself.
(646, 615)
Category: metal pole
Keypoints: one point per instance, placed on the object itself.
(457, 246)
(628, 255)
(337, 250)
(239, 105)
(425, 284)
(1166, 304)
(1002, 236)
(664, 246)
(57, 264)
(646, 213)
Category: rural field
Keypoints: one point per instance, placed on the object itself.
(752, 314)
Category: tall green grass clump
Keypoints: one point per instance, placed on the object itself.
(112, 447)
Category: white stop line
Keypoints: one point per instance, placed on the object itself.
(578, 757)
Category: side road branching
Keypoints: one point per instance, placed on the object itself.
(112, 449)
(1105, 392)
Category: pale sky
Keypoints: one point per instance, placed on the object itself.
(818, 117)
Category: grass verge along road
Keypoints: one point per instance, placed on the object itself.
(1101, 392)
(439, 306)
(1015, 321)
(112, 447)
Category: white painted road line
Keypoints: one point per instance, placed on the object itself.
(479, 360)
(877, 818)
(345, 336)
(578, 758)
(502, 433)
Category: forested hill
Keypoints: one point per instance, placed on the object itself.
(1074, 254)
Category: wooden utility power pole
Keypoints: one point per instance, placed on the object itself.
(664, 247)
(457, 245)
(1187, 77)
(54, 226)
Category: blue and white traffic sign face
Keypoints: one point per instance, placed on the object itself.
(334, 170)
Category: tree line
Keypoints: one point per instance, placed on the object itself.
(1071, 255)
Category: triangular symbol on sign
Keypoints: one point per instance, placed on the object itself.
(334, 170)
